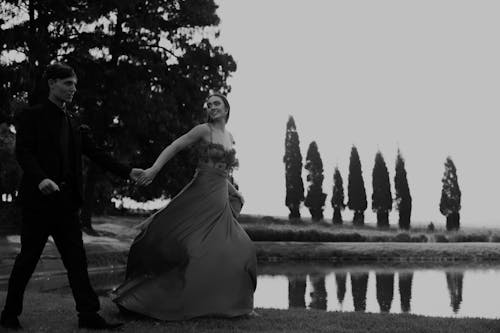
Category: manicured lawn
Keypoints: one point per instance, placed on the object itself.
(55, 313)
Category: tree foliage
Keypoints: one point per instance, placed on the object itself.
(293, 170)
(356, 188)
(315, 199)
(144, 70)
(381, 196)
(450, 205)
(337, 201)
(403, 197)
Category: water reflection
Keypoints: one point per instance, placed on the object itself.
(297, 291)
(454, 280)
(318, 293)
(359, 283)
(405, 280)
(385, 291)
(340, 279)
(434, 291)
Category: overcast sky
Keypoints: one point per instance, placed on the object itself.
(423, 76)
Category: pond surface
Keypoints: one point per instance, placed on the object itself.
(453, 291)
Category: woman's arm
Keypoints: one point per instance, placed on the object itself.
(232, 191)
(195, 134)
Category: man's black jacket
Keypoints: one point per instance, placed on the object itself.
(38, 133)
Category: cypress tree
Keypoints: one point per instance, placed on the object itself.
(450, 196)
(356, 189)
(315, 199)
(293, 170)
(403, 197)
(381, 197)
(337, 201)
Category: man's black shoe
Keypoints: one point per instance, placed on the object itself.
(93, 321)
(10, 322)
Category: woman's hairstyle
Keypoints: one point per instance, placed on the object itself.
(224, 100)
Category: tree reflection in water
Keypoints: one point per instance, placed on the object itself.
(359, 282)
(340, 279)
(385, 290)
(405, 281)
(297, 291)
(455, 282)
(318, 293)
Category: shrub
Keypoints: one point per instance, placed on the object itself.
(402, 237)
(440, 238)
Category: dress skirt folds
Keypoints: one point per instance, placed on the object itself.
(191, 258)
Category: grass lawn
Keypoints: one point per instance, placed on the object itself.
(55, 313)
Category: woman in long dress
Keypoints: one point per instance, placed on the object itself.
(192, 258)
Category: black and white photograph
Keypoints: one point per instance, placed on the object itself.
(249, 166)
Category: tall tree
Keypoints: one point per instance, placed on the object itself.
(403, 197)
(337, 197)
(356, 188)
(293, 170)
(449, 205)
(381, 197)
(315, 199)
(144, 70)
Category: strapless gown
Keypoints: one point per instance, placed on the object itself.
(192, 258)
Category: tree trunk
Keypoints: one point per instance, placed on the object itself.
(359, 218)
(382, 219)
(404, 219)
(337, 216)
(294, 212)
(316, 214)
(453, 221)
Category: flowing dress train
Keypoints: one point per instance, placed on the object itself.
(192, 258)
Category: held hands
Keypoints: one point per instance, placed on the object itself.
(47, 186)
(142, 177)
(135, 173)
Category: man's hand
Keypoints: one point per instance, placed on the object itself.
(47, 186)
(135, 173)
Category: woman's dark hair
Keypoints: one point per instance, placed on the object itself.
(224, 100)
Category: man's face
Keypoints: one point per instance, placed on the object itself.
(63, 89)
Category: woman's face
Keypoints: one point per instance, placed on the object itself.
(216, 108)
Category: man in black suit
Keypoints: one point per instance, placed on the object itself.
(49, 147)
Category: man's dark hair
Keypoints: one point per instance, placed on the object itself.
(58, 71)
(53, 71)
